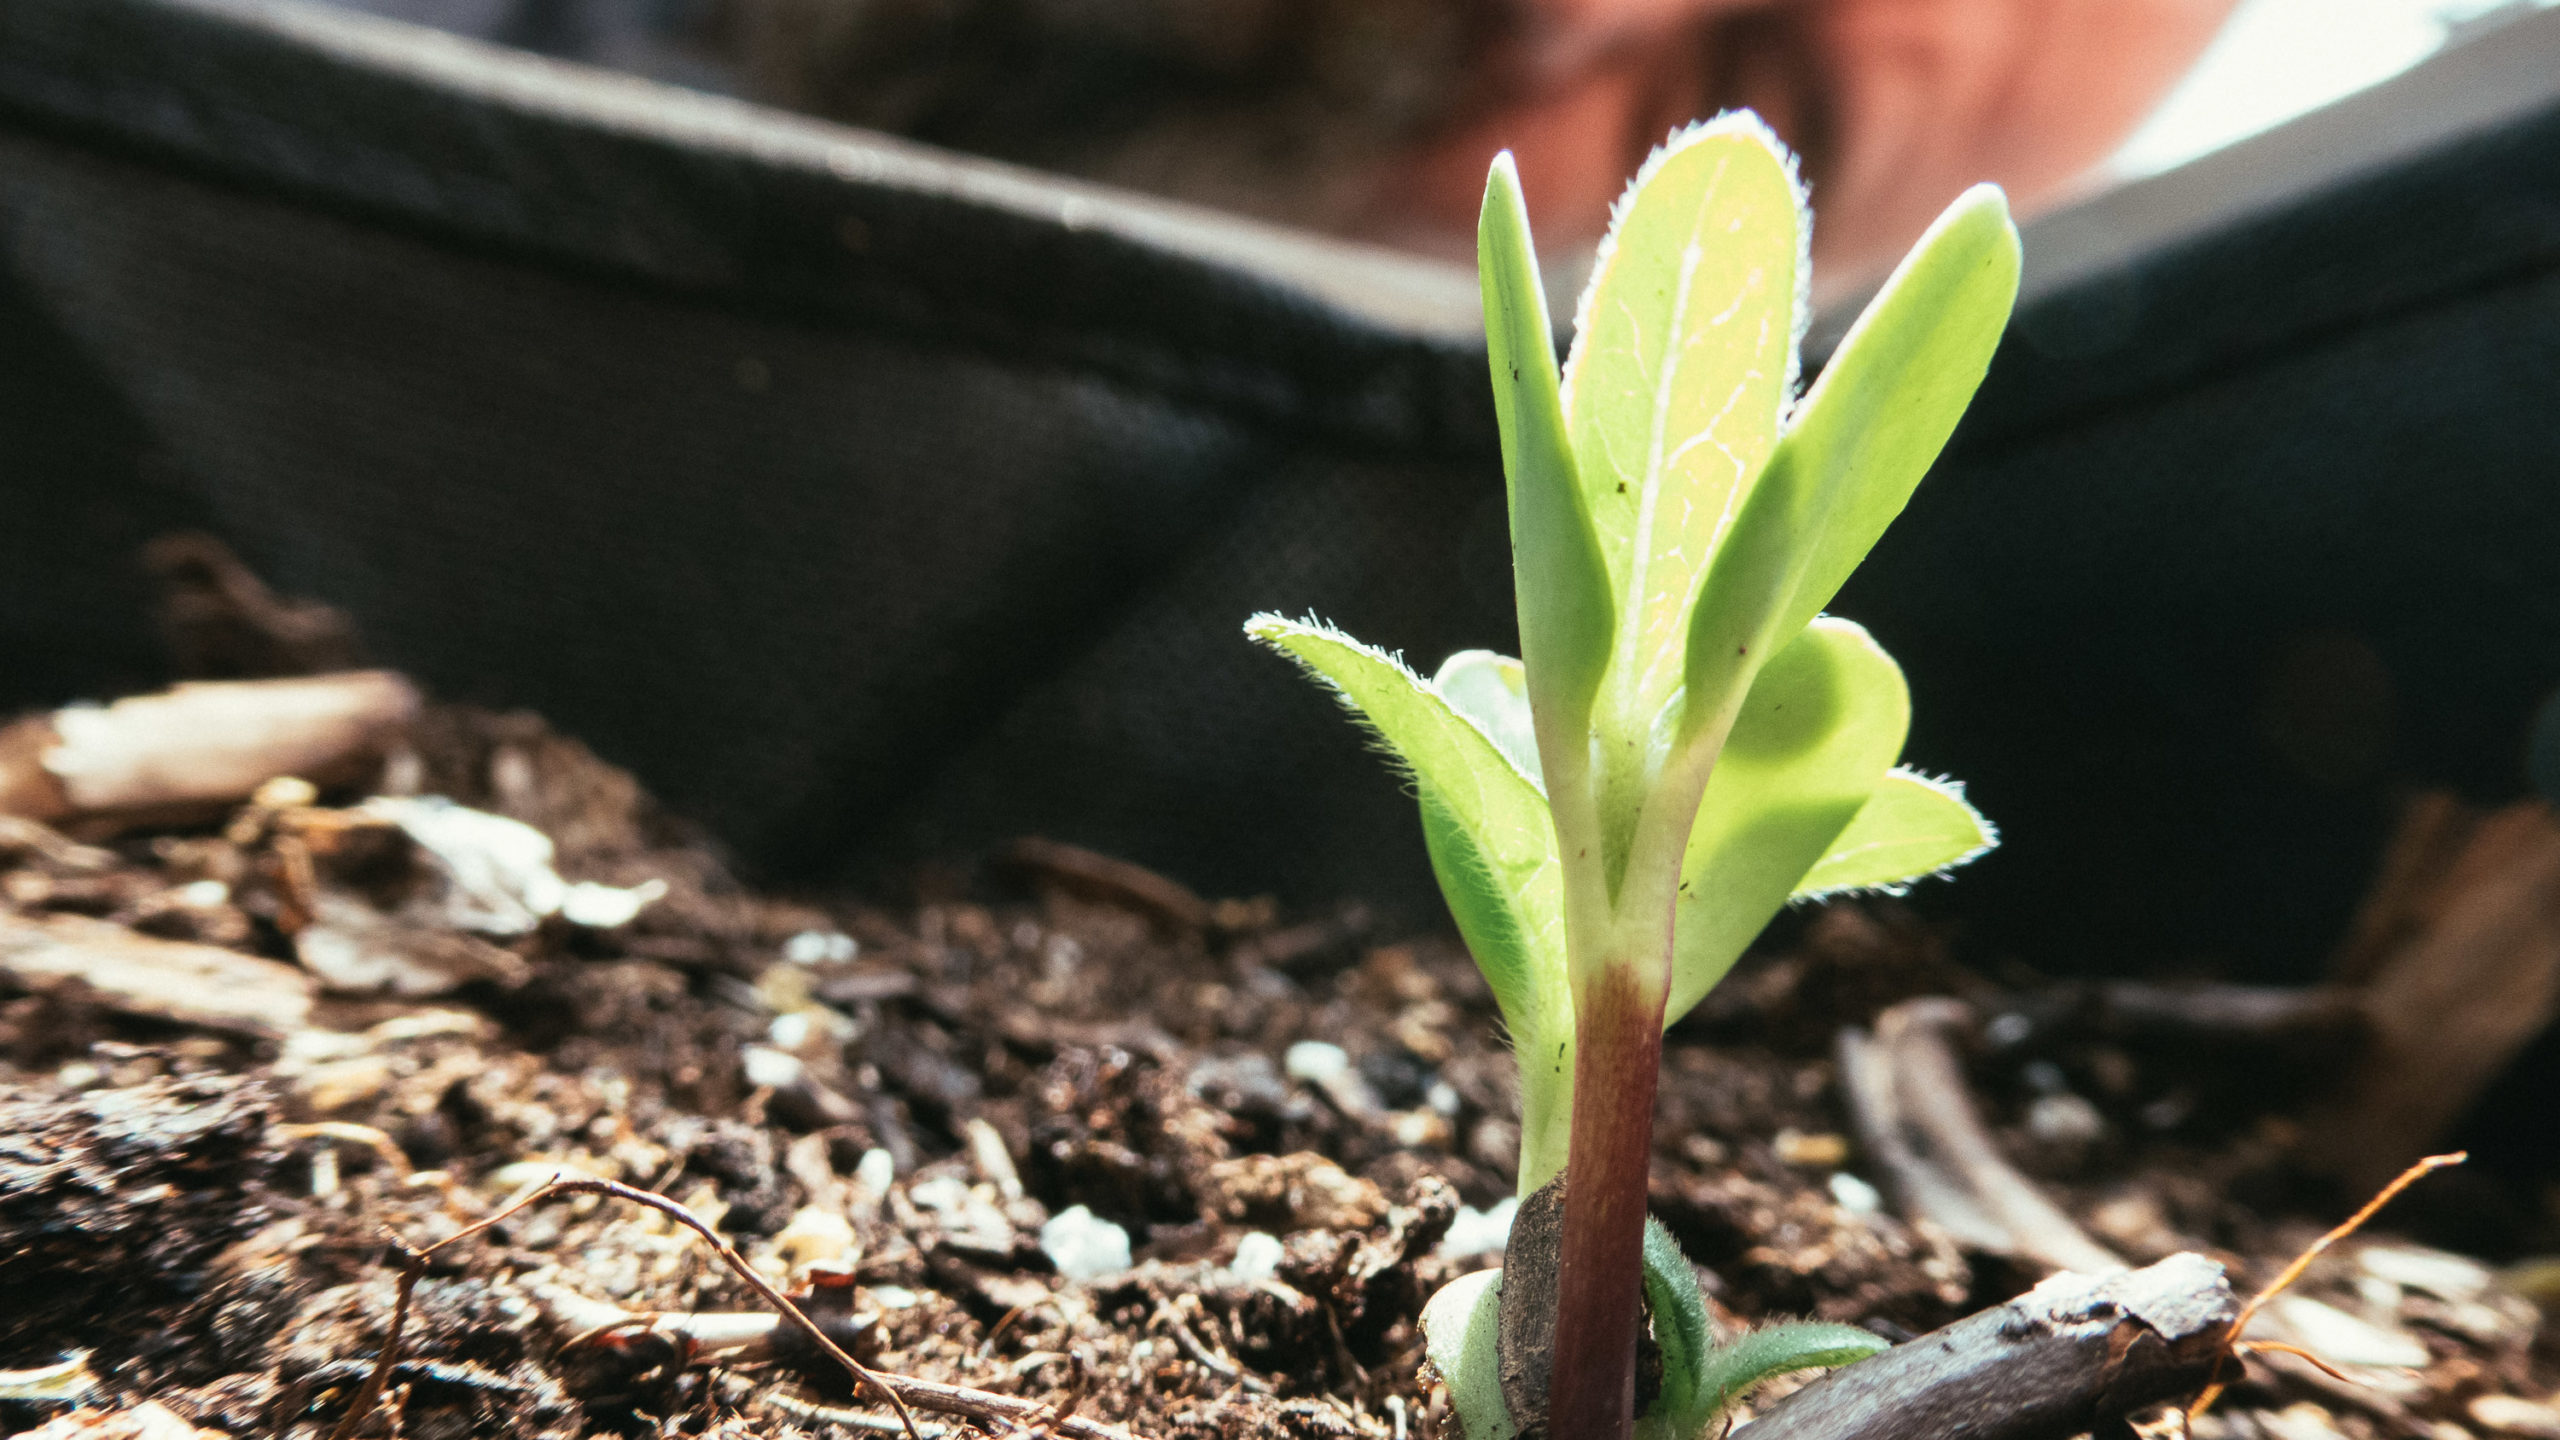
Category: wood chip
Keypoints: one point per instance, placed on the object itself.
(197, 985)
(2458, 959)
(190, 752)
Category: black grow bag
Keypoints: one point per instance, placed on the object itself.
(873, 504)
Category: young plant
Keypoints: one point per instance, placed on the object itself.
(1686, 741)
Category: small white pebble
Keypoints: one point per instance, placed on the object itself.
(812, 947)
(1083, 1245)
(204, 894)
(892, 1297)
(78, 1075)
(876, 1171)
(770, 1069)
(1257, 1256)
(2008, 1029)
(2303, 1421)
(1442, 1097)
(1316, 1061)
(2065, 1119)
(1855, 1195)
(945, 1194)
(1478, 1232)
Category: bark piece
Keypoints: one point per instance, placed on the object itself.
(1100, 879)
(1527, 1337)
(2458, 955)
(2073, 1352)
(199, 985)
(221, 622)
(191, 752)
(1916, 1118)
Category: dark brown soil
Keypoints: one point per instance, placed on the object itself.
(203, 1215)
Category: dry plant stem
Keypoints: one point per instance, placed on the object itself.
(1914, 1114)
(1600, 1273)
(738, 1264)
(413, 1264)
(2213, 1385)
(987, 1405)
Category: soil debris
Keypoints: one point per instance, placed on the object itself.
(1067, 1144)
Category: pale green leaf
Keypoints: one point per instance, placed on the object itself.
(1819, 729)
(1491, 838)
(1883, 408)
(1493, 690)
(1911, 828)
(1774, 1350)
(1461, 1337)
(1682, 365)
(1855, 450)
(1567, 614)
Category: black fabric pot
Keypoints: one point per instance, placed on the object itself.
(873, 504)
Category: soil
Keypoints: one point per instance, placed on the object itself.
(215, 1219)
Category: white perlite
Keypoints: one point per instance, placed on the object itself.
(1083, 1245)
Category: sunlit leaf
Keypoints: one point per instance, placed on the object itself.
(1567, 614)
(1681, 368)
(1493, 690)
(1820, 728)
(1491, 838)
(1912, 827)
(1858, 445)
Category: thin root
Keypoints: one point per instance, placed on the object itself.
(2214, 1383)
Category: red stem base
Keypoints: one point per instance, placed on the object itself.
(1600, 1276)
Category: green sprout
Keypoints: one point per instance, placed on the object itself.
(1686, 742)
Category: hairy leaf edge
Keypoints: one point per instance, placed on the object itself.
(1946, 785)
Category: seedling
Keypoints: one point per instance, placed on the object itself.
(1686, 741)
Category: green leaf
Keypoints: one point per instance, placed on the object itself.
(1491, 838)
(1911, 828)
(1681, 1333)
(1493, 691)
(1461, 1337)
(1816, 735)
(1567, 614)
(1857, 447)
(1773, 1350)
(1699, 1378)
(1682, 364)
(1874, 423)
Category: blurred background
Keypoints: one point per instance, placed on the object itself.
(1370, 119)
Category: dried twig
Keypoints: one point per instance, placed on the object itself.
(799, 1409)
(2076, 1350)
(737, 1263)
(1209, 1359)
(413, 1267)
(1916, 1119)
(900, 1391)
(987, 1405)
